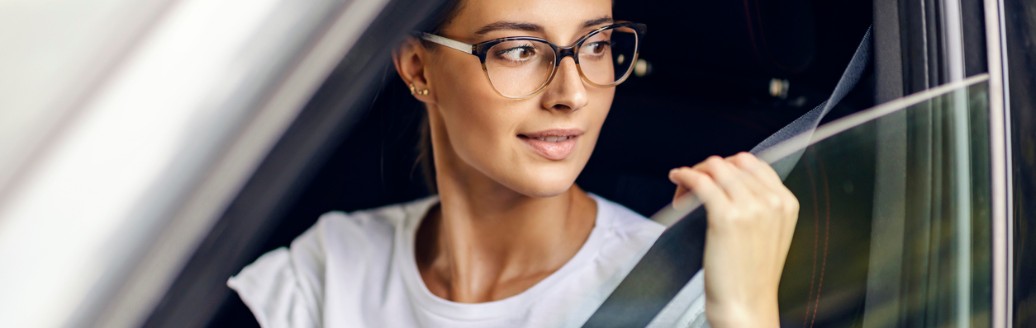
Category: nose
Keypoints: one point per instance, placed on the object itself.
(566, 91)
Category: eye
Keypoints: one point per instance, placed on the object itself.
(516, 54)
(595, 49)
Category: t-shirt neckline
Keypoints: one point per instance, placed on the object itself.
(421, 296)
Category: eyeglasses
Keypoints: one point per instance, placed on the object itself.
(520, 67)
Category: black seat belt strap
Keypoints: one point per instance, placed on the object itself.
(676, 256)
(809, 121)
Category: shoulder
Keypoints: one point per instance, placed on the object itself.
(623, 222)
(355, 234)
(374, 220)
(287, 284)
(346, 237)
(625, 235)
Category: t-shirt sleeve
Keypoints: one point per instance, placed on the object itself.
(281, 288)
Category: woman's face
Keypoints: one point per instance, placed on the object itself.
(535, 146)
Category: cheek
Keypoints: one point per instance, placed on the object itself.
(599, 105)
(477, 120)
(473, 113)
(475, 130)
(482, 126)
(459, 79)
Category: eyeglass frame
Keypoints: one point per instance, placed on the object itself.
(481, 50)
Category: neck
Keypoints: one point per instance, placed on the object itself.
(484, 244)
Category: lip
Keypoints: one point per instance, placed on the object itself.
(553, 144)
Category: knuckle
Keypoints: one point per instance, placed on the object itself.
(745, 158)
(752, 210)
(791, 200)
(737, 217)
(713, 161)
(729, 213)
(792, 206)
(763, 167)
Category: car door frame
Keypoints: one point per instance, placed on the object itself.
(921, 44)
(198, 291)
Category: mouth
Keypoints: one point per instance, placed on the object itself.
(554, 145)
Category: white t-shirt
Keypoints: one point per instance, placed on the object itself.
(359, 270)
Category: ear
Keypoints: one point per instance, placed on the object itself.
(410, 60)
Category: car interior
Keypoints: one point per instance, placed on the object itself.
(721, 76)
(161, 148)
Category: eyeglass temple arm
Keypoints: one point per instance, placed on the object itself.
(449, 42)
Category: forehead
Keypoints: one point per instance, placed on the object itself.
(558, 18)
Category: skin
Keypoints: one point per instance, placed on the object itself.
(509, 217)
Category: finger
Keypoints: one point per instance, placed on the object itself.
(685, 199)
(791, 220)
(728, 177)
(678, 197)
(778, 196)
(776, 192)
(701, 185)
(757, 167)
(760, 187)
(680, 191)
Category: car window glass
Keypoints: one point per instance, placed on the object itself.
(894, 226)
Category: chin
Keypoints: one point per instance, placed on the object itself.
(544, 183)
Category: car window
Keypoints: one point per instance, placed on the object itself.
(894, 226)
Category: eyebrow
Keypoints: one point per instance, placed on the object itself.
(530, 27)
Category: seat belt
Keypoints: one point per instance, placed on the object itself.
(676, 256)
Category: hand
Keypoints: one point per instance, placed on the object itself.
(751, 219)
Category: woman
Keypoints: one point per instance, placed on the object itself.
(510, 240)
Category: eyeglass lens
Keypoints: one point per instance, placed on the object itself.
(519, 68)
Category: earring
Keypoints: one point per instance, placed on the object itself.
(416, 92)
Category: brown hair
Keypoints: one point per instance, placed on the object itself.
(425, 157)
